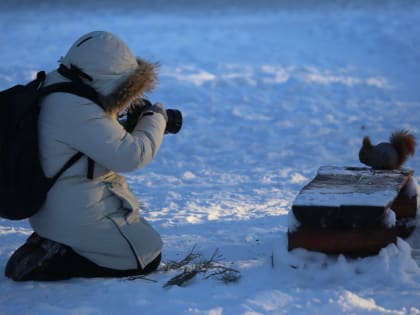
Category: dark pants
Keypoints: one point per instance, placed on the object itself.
(45, 260)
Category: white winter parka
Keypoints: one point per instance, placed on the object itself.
(99, 218)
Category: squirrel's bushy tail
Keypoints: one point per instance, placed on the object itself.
(404, 143)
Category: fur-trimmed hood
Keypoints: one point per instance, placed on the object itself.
(117, 75)
(142, 80)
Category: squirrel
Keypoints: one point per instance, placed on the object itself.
(388, 155)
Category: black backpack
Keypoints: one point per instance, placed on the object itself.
(23, 184)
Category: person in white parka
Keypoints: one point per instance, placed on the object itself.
(91, 227)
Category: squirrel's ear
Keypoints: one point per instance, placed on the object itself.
(366, 142)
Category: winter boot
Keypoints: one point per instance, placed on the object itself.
(29, 260)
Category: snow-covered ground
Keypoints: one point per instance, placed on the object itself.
(270, 91)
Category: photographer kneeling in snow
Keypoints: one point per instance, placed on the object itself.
(90, 226)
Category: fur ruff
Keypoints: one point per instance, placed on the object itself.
(142, 80)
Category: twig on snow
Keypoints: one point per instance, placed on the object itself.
(221, 272)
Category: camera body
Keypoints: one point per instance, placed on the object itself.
(140, 109)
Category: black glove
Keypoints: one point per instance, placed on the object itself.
(135, 113)
(139, 110)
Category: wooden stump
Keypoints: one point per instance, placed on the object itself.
(348, 210)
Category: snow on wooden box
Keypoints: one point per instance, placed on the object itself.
(352, 210)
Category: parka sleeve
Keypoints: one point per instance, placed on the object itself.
(88, 129)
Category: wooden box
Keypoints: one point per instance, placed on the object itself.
(353, 210)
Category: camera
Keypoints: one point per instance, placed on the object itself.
(140, 109)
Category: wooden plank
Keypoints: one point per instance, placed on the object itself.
(405, 206)
(344, 216)
(348, 196)
(350, 241)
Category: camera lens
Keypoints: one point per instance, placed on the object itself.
(174, 123)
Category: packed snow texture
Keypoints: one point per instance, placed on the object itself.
(353, 187)
(270, 91)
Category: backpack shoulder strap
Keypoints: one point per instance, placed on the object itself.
(78, 88)
(66, 166)
(39, 80)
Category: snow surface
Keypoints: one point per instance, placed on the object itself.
(355, 188)
(270, 91)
